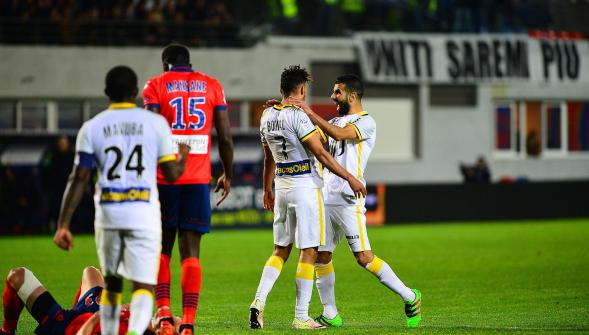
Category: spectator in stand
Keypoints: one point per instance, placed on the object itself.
(354, 14)
(328, 19)
(13, 8)
(478, 173)
(58, 165)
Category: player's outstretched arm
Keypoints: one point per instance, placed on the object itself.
(223, 128)
(269, 167)
(173, 169)
(313, 143)
(74, 191)
(337, 133)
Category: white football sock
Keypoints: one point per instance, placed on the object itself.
(326, 287)
(141, 310)
(388, 278)
(110, 310)
(304, 280)
(270, 274)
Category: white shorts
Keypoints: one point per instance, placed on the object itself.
(132, 254)
(348, 221)
(299, 217)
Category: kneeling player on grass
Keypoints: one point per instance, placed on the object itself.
(24, 289)
(351, 139)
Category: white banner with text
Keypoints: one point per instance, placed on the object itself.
(418, 58)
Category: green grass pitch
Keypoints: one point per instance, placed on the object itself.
(503, 277)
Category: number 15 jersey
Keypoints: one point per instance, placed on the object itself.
(284, 129)
(187, 99)
(126, 143)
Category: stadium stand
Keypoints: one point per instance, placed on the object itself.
(232, 23)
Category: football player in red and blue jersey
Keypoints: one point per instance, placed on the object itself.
(24, 289)
(192, 102)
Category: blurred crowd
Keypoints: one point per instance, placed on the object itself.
(155, 11)
(219, 22)
(332, 17)
(116, 22)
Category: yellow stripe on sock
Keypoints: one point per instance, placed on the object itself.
(321, 224)
(110, 298)
(324, 270)
(375, 265)
(305, 271)
(141, 291)
(276, 262)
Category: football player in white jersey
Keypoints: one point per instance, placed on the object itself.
(351, 139)
(126, 144)
(293, 156)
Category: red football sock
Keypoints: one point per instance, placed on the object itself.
(12, 308)
(162, 289)
(77, 295)
(191, 282)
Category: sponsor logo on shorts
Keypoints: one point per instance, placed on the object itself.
(352, 237)
(293, 168)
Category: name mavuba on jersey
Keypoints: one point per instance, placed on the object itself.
(123, 129)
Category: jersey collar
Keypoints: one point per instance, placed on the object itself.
(362, 113)
(122, 105)
(181, 68)
(281, 107)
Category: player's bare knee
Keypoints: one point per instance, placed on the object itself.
(364, 258)
(142, 286)
(308, 255)
(92, 277)
(282, 252)
(114, 284)
(16, 277)
(324, 257)
(90, 271)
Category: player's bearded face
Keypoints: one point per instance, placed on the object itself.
(340, 98)
(343, 105)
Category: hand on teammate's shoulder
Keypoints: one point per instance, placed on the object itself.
(271, 103)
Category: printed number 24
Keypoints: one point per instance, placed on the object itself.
(136, 158)
(178, 104)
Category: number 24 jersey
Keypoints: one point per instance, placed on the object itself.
(126, 144)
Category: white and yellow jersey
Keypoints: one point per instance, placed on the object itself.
(284, 129)
(126, 143)
(352, 155)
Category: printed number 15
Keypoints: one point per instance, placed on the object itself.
(179, 123)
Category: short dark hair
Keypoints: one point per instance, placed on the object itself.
(176, 54)
(353, 84)
(292, 77)
(121, 83)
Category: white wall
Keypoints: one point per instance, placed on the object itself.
(78, 72)
(446, 136)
